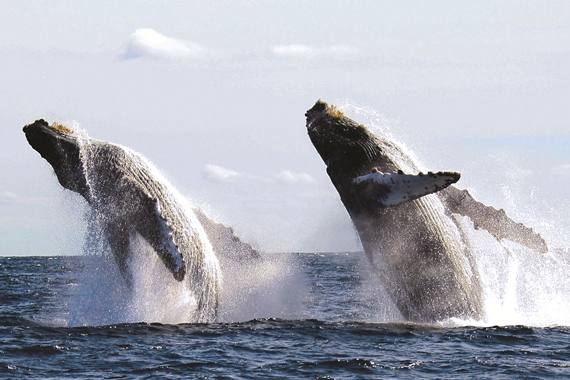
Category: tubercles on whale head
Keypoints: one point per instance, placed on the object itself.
(322, 108)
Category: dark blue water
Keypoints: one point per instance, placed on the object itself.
(325, 338)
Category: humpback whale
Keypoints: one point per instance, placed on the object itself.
(129, 198)
(406, 220)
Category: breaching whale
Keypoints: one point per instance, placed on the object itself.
(128, 198)
(405, 219)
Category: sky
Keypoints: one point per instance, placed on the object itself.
(214, 94)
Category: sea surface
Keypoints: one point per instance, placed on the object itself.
(329, 321)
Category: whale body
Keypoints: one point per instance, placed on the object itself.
(406, 220)
(128, 198)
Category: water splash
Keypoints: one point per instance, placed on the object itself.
(520, 286)
(145, 288)
(273, 287)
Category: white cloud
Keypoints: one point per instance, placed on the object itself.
(299, 50)
(293, 50)
(288, 176)
(220, 174)
(146, 42)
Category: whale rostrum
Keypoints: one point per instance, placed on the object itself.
(406, 221)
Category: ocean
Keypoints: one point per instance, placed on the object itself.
(316, 316)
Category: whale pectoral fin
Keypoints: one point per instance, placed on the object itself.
(496, 222)
(158, 233)
(392, 189)
(153, 227)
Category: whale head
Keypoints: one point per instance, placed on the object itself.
(367, 169)
(58, 146)
(348, 148)
(343, 143)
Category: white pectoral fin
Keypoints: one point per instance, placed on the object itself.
(392, 189)
(496, 222)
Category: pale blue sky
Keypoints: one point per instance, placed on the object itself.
(214, 93)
